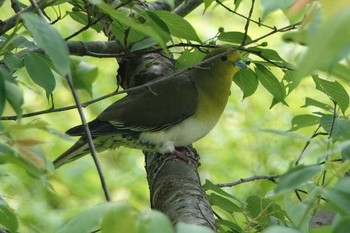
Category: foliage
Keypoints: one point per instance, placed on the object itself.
(35, 62)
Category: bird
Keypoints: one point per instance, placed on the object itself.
(164, 115)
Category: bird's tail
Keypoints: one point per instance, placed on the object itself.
(78, 150)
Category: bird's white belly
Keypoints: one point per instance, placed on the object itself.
(181, 134)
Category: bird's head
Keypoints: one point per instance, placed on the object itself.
(225, 59)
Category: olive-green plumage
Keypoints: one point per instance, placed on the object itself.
(173, 113)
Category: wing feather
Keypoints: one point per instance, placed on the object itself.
(157, 107)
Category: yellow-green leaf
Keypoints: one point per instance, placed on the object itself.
(49, 40)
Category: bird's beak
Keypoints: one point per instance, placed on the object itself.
(241, 64)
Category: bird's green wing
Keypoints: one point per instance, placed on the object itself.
(152, 108)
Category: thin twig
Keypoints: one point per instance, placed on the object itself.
(314, 134)
(323, 181)
(249, 179)
(333, 119)
(243, 16)
(246, 26)
(259, 54)
(37, 8)
(16, 6)
(86, 27)
(88, 136)
(52, 110)
(275, 30)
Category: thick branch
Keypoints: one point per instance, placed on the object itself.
(11, 22)
(176, 190)
(94, 48)
(86, 48)
(186, 7)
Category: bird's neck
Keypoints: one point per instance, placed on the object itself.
(213, 92)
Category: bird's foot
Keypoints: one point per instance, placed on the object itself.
(183, 154)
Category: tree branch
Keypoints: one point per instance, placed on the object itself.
(246, 26)
(176, 190)
(88, 136)
(86, 48)
(186, 7)
(243, 16)
(249, 179)
(12, 21)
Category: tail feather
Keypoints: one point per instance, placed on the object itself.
(78, 150)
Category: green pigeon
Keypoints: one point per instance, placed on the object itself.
(164, 115)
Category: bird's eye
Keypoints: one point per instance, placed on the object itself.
(224, 58)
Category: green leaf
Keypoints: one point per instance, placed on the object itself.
(49, 40)
(14, 96)
(233, 37)
(119, 218)
(228, 223)
(296, 37)
(14, 42)
(88, 220)
(153, 221)
(2, 91)
(83, 74)
(223, 203)
(83, 19)
(339, 128)
(341, 224)
(298, 15)
(292, 82)
(182, 227)
(27, 166)
(19, 41)
(40, 72)
(207, 4)
(328, 44)
(273, 5)
(237, 3)
(208, 185)
(345, 153)
(298, 212)
(334, 90)
(281, 229)
(296, 177)
(339, 195)
(8, 218)
(262, 209)
(316, 103)
(136, 23)
(323, 229)
(157, 24)
(142, 44)
(268, 54)
(247, 81)
(339, 70)
(6, 149)
(189, 58)
(13, 93)
(133, 36)
(270, 82)
(304, 120)
(13, 62)
(178, 26)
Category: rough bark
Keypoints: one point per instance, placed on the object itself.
(175, 189)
